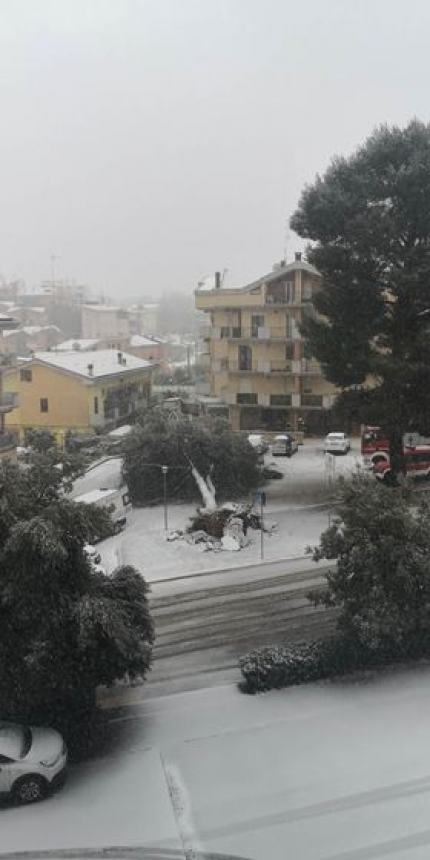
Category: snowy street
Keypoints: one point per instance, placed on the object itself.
(298, 503)
(322, 772)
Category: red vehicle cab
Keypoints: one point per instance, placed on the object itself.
(374, 446)
(417, 464)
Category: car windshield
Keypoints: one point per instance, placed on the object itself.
(15, 741)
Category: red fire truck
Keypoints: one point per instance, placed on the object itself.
(375, 453)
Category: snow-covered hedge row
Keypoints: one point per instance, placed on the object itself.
(274, 667)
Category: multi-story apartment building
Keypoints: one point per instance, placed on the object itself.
(104, 322)
(255, 356)
(79, 391)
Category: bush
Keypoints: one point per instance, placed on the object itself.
(301, 662)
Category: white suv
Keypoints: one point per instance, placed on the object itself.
(32, 760)
(336, 443)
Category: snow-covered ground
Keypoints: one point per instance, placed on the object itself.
(330, 771)
(298, 503)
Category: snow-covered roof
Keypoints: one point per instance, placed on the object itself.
(76, 344)
(94, 496)
(35, 329)
(278, 272)
(124, 430)
(141, 340)
(103, 362)
(103, 308)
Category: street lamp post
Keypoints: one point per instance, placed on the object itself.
(164, 470)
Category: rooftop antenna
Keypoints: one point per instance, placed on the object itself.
(287, 236)
(54, 258)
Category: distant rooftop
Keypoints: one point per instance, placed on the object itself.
(77, 343)
(94, 365)
(142, 340)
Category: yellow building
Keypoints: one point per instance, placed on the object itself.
(79, 391)
(255, 356)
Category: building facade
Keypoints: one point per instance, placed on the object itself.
(255, 357)
(104, 322)
(78, 391)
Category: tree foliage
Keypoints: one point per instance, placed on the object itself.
(368, 219)
(64, 627)
(381, 582)
(209, 444)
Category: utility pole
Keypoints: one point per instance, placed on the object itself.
(164, 470)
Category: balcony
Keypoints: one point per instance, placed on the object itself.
(309, 365)
(314, 401)
(8, 401)
(265, 367)
(262, 333)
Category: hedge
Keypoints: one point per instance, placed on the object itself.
(300, 662)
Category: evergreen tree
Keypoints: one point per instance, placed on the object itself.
(381, 578)
(65, 627)
(368, 219)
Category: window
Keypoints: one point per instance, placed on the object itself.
(290, 292)
(289, 351)
(246, 398)
(307, 353)
(224, 364)
(25, 375)
(96, 405)
(307, 293)
(280, 399)
(257, 321)
(288, 326)
(44, 404)
(225, 331)
(245, 357)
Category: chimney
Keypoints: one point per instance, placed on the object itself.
(90, 370)
(119, 357)
(217, 280)
(298, 256)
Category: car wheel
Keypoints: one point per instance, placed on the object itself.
(30, 789)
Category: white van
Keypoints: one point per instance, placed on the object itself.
(117, 501)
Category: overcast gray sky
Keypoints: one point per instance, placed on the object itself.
(148, 142)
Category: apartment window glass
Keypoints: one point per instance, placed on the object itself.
(290, 292)
(257, 321)
(25, 375)
(96, 405)
(288, 326)
(245, 358)
(44, 404)
(307, 292)
(289, 351)
(247, 398)
(225, 331)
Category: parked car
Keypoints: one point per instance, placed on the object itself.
(284, 445)
(258, 443)
(336, 443)
(117, 502)
(33, 760)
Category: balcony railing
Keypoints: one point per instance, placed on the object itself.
(8, 401)
(309, 365)
(235, 366)
(260, 333)
(315, 400)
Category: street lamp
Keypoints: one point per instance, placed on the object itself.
(164, 470)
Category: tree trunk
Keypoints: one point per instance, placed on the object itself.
(397, 457)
